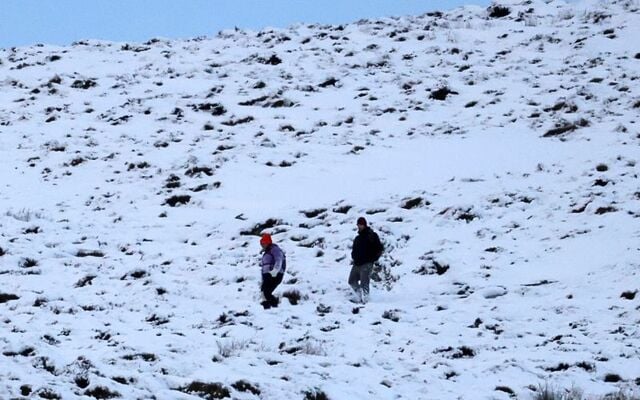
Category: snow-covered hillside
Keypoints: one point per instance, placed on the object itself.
(495, 151)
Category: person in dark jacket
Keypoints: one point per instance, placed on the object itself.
(366, 250)
(272, 266)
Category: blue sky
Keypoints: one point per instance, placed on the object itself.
(26, 22)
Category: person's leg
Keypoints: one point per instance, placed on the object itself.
(267, 289)
(275, 283)
(365, 277)
(354, 278)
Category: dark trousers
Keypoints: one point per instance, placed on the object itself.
(359, 278)
(269, 284)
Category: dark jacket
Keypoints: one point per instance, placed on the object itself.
(366, 247)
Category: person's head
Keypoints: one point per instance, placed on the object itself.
(265, 240)
(361, 223)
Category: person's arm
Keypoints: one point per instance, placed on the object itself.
(278, 260)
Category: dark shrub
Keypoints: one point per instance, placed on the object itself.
(29, 263)
(612, 378)
(498, 11)
(191, 172)
(273, 60)
(101, 392)
(258, 228)
(561, 129)
(89, 253)
(604, 210)
(329, 82)
(238, 121)
(505, 389)
(175, 200)
(244, 386)
(4, 297)
(209, 391)
(82, 382)
(441, 93)
(313, 213)
(342, 209)
(294, 296)
(87, 280)
(391, 315)
(412, 203)
(86, 84)
(214, 108)
(315, 394)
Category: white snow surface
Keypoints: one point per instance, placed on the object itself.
(512, 252)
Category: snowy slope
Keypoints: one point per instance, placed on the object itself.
(495, 154)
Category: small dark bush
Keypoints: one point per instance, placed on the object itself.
(48, 394)
(391, 315)
(209, 391)
(328, 82)
(273, 60)
(32, 230)
(157, 320)
(25, 390)
(629, 295)
(441, 93)
(101, 392)
(87, 280)
(175, 200)
(259, 228)
(315, 394)
(558, 368)
(244, 386)
(587, 366)
(412, 203)
(148, 357)
(434, 268)
(89, 253)
(83, 84)
(214, 108)
(82, 382)
(604, 210)
(235, 122)
(29, 263)
(40, 301)
(137, 274)
(464, 352)
(562, 129)
(342, 209)
(602, 168)
(322, 309)
(76, 161)
(506, 389)
(612, 378)
(294, 296)
(2, 252)
(313, 213)
(191, 172)
(498, 11)
(4, 297)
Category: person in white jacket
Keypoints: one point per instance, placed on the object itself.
(273, 266)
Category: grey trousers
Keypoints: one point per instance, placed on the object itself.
(359, 278)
